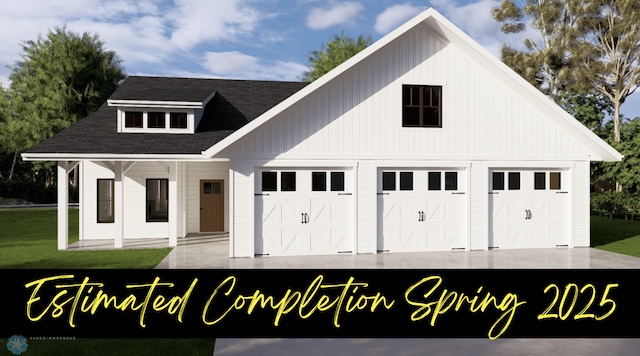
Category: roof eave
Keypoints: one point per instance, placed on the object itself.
(27, 156)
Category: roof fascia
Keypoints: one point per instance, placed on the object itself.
(158, 104)
(117, 157)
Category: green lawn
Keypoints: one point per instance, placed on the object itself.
(28, 240)
(616, 235)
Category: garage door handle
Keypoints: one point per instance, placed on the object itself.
(305, 218)
(345, 193)
(457, 193)
(528, 214)
(302, 215)
(562, 192)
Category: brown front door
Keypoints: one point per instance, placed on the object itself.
(211, 205)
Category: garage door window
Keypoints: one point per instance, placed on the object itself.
(554, 181)
(388, 180)
(539, 181)
(269, 181)
(514, 180)
(288, 181)
(319, 181)
(406, 180)
(337, 181)
(435, 181)
(498, 181)
(450, 180)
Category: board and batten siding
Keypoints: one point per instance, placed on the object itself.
(357, 116)
(359, 113)
(134, 187)
(242, 209)
(194, 173)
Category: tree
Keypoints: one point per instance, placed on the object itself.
(612, 50)
(60, 79)
(549, 62)
(337, 50)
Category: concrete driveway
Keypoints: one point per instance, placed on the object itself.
(210, 252)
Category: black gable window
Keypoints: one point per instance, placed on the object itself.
(133, 119)
(421, 106)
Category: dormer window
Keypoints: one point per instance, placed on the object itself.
(178, 120)
(159, 116)
(133, 119)
(156, 121)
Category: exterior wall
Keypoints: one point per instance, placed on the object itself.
(241, 243)
(478, 206)
(135, 225)
(194, 172)
(359, 115)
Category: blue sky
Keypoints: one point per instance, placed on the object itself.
(242, 39)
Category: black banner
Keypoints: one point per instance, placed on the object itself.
(320, 303)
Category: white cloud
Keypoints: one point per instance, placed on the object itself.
(337, 14)
(394, 16)
(475, 19)
(199, 21)
(237, 65)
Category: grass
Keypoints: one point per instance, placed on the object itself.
(616, 235)
(28, 240)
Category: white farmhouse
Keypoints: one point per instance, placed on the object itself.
(422, 142)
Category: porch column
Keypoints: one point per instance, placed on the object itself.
(63, 206)
(118, 202)
(173, 204)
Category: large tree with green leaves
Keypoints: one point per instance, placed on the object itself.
(61, 78)
(611, 49)
(337, 50)
(548, 61)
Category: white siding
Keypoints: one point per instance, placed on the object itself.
(196, 171)
(359, 115)
(242, 233)
(135, 225)
(478, 206)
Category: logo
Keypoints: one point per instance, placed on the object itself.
(17, 344)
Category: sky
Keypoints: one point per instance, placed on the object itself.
(238, 39)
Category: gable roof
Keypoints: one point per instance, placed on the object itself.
(235, 103)
(599, 150)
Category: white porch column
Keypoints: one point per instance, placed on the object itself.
(173, 204)
(118, 202)
(63, 206)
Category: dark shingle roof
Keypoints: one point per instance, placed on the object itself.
(235, 104)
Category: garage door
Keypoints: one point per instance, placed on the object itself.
(421, 210)
(528, 208)
(303, 212)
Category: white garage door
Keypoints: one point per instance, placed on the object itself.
(421, 210)
(528, 208)
(303, 212)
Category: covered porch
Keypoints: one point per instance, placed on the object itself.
(143, 203)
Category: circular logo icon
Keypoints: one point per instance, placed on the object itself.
(17, 344)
